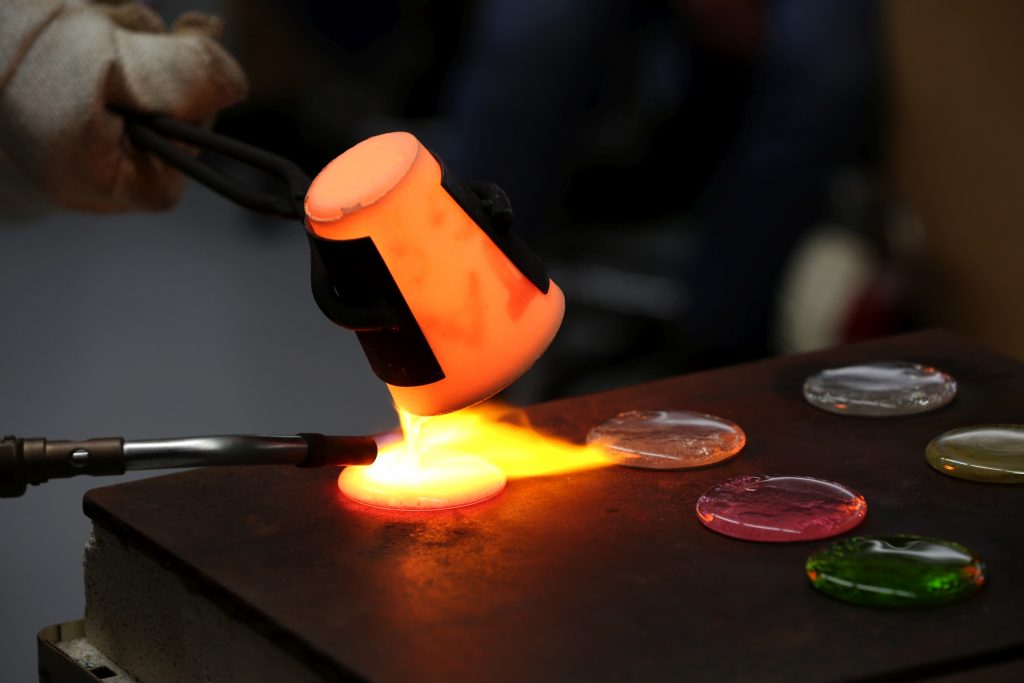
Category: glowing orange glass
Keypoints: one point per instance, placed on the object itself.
(485, 322)
(462, 458)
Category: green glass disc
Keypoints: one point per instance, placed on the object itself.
(990, 453)
(896, 571)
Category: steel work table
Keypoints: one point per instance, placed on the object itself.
(607, 575)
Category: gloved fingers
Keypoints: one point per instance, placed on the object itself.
(142, 180)
(204, 24)
(52, 127)
(133, 17)
(137, 17)
(58, 130)
(186, 75)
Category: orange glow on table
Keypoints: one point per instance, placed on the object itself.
(462, 458)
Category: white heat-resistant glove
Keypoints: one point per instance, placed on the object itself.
(65, 65)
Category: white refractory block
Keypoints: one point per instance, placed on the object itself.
(156, 626)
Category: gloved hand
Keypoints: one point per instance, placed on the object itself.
(65, 65)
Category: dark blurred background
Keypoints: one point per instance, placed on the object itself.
(710, 181)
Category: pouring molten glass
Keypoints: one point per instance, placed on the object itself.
(449, 305)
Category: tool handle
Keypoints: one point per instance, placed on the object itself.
(155, 132)
(34, 461)
(37, 460)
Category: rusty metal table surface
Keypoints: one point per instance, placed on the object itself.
(607, 574)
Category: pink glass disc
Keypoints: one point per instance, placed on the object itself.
(780, 509)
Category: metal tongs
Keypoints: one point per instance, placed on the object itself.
(156, 132)
(37, 460)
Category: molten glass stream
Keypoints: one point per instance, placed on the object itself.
(459, 459)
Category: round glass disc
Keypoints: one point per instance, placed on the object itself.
(780, 509)
(896, 571)
(667, 440)
(884, 389)
(989, 453)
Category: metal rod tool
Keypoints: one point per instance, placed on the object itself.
(37, 460)
(157, 133)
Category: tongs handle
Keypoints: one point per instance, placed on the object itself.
(155, 132)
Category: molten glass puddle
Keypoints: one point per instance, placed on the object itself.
(461, 458)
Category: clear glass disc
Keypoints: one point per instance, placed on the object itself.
(885, 389)
(667, 439)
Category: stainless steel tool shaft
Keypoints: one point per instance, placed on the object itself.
(37, 460)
